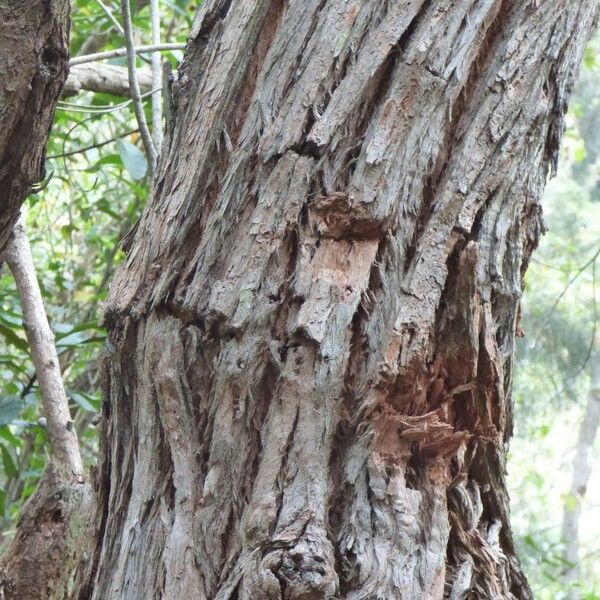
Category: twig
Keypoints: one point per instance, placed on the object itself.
(63, 439)
(91, 147)
(157, 132)
(96, 109)
(571, 281)
(134, 88)
(112, 17)
(86, 58)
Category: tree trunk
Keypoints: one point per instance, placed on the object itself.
(34, 50)
(52, 527)
(582, 469)
(311, 340)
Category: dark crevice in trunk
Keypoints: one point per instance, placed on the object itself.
(213, 16)
(263, 395)
(265, 40)
(283, 470)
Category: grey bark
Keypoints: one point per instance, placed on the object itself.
(582, 469)
(63, 438)
(38, 563)
(33, 62)
(107, 79)
(308, 388)
(157, 122)
(134, 89)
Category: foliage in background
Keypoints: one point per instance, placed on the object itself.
(560, 316)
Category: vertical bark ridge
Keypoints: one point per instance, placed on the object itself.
(313, 331)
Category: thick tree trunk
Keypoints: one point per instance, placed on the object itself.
(312, 338)
(34, 50)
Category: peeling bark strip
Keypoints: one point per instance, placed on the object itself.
(313, 333)
(34, 46)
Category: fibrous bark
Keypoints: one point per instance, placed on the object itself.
(312, 336)
(34, 39)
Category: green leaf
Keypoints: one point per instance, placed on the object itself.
(12, 338)
(109, 159)
(103, 206)
(86, 326)
(7, 461)
(133, 159)
(579, 154)
(11, 318)
(571, 502)
(71, 339)
(530, 541)
(10, 408)
(62, 328)
(85, 401)
(9, 436)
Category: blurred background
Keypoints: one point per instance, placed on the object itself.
(94, 197)
(554, 459)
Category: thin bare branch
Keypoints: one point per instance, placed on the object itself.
(134, 87)
(571, 281)
(63, 439)
(92, 146)
(157, 131)
(112, 17)
(79, 60)
(582, 469)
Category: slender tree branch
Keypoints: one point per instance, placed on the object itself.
(112, 17)
(571, 281)
(98, 110)
(134, 87)
(63, 439)
(157, 131)
(87, 58)
(92, 146)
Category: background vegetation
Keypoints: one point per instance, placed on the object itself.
(96, 193)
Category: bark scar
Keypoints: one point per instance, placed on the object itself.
(337, 216)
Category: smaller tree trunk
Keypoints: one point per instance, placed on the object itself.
(582, 469)
(39, 562)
